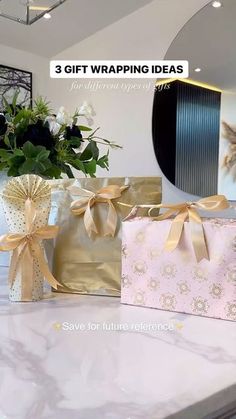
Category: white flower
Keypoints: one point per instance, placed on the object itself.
(54, 127)
(63, 117)
(88, 112)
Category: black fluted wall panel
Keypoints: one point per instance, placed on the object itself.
(197, 139)
(186, 126)
(164, 128)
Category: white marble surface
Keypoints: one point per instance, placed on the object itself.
(47, 372)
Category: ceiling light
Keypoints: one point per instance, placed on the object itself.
(29, 11)
(198, 69)
(216, 4)
(47, 16)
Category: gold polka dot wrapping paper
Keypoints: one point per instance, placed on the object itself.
(17, 192)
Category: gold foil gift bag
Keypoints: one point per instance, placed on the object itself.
(27, 203)
(87, 255)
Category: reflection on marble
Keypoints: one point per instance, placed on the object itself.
(137, 372)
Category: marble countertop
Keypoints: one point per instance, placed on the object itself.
(87, 357)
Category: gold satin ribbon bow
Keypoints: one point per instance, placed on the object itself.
(183, 211)
(89, 199)
(26, 249)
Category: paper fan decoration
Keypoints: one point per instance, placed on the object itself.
(27, 186)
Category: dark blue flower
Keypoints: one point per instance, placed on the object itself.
(3, 125)
(37, 134)
(73, 131)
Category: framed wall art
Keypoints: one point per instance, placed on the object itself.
(12, 80)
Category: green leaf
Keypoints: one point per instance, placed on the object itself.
(6, 105)
(18, 152)
(95, 149)
(83, 128)
(4, 154)
(23, 115)
(41, 107)
(29, 150)
(74, 142)
(39, 148)
(6, 141)
(3, 165)
(14, 99)
(14, 163)
(47, 164)
(16, 160)
(12, 139)
(68, 171)
(39, 168)
(27, 167)
(90, 167)
(103, 162)
(79, 165)
(43, 155)
(65, 168)
(87, 154)
(53, 172)
(8, 117)
(90, 152)
(13, 171)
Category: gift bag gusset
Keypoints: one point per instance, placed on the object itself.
(27, 202)
(180, 265)
(87, 257)
(58, 189)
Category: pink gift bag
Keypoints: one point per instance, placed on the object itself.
(153, 276)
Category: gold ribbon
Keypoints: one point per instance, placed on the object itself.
(26, 249)
(89, 199)
(183, 211)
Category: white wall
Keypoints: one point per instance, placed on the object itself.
(25, 61)
(126, 116)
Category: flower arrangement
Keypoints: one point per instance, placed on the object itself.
(34, 140)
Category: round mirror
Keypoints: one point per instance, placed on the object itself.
(194, 120)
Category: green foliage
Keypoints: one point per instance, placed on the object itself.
(104, 162)
(8, 108)
(28, 145)
(29, 159)
(41, 108)
(74, 142)
(90, 152)
(83, 128)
